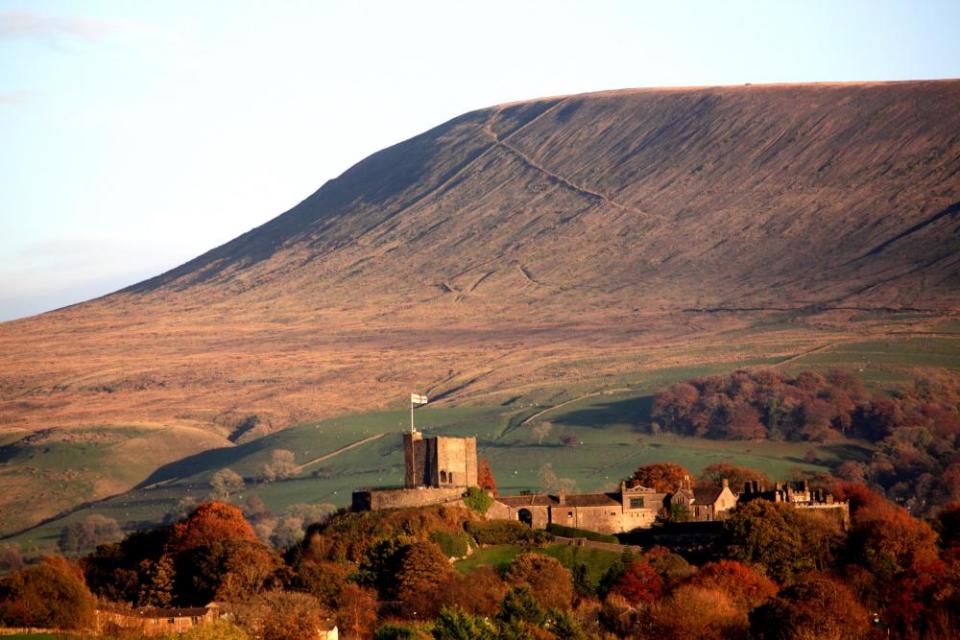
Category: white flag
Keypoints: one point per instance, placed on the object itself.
(416, 398)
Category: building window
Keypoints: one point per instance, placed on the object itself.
(569, 514)
(636, 503)
(443, 477)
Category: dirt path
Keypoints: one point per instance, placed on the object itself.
(582, 190)
(806, 353)
(540, 413)
(336, 452)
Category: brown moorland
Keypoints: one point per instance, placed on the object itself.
(546, 242)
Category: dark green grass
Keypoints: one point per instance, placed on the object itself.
(609, 431)
(500, 556)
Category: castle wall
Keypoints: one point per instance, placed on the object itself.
(377, 499)
(610, 518)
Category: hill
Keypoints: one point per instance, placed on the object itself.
(528, 249)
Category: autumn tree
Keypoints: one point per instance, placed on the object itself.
(291, 615)
(424, 570)
(663, 476)
(947, 524)
(209, 523)
(813, 607)
(888, 541)
(127, 571)
(713, 476)
(356, 611)
(11, 558)
(230, 570)
(552, 482)
(485, 477)
(671, 567)
(51, 594)
(86, 534)
(281, 466)
(478, 592)
(639, 583)
(323, 579)
(547, 579)
(779, 537)
(745, 586)
(225, 483)
(694, 612)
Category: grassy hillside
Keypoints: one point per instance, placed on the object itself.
(605, 418)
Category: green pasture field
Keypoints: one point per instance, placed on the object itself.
(609, 431)
(499, 556)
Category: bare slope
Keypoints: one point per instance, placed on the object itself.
(529, 244)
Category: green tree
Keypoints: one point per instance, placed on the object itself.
(454, 624)
(779, 537)
(519, 605)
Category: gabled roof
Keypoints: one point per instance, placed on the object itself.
(572, 500)
(538, 500)
(593, 500)
(707, 495)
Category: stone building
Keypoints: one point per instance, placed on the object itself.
(440, 461)
(153, 621)
(624, 510)
(798, 495)
(436, 470)
(702, 504)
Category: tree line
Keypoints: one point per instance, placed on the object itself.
(915, 429)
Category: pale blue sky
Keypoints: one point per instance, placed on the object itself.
(136, 135)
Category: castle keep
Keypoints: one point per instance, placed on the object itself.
(440, 461)
(435, 470)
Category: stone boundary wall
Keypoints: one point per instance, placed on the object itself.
(596, 544)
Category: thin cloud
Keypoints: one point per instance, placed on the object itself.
(13, 97)
(51, 28)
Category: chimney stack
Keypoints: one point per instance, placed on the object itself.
(562, 496)
(725, 483)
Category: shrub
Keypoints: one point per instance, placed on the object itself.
(217, 630)
(394, 631)
(453, 545)
(573, 532)
(477, 500)
(505, 532)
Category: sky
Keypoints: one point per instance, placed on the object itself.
(135, 135)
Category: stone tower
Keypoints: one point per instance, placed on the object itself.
(439, 461)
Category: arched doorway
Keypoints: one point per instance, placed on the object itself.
(525, 517)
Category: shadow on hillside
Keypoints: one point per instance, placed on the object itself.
(210, 460)
(632, 411)
(847, 451)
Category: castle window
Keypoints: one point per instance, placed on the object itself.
(636, 503)
(443, 477)
(569, 514)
